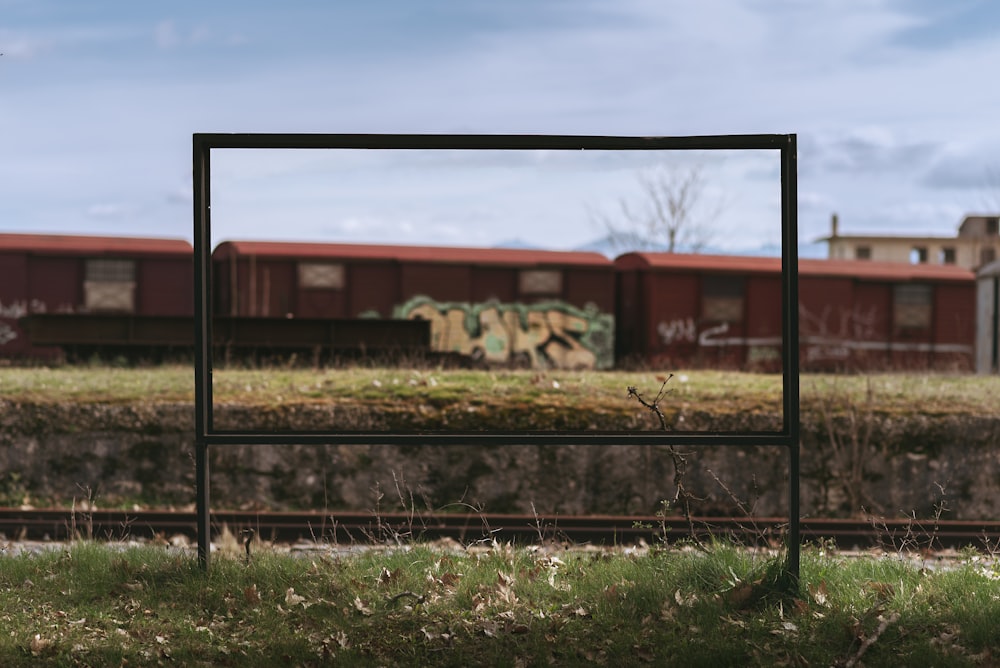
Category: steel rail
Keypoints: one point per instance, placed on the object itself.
(470, 528)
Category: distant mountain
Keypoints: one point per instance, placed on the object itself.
(807, 250)
(814, 250)
(602, 245)
(516, 244)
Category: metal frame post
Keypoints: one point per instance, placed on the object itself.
(203, 339)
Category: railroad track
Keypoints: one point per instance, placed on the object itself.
(467, 528)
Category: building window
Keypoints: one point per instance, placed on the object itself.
(947, 255)
(540, 282)
(912, 306)
(863, 253)
(991, 225)
(109, 285)
(722, 298)
(918, 255)
(321, 275)
(987, 255)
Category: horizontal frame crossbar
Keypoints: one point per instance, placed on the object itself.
(503, 438)
(208, 141)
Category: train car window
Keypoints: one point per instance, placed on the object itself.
(321, 275)
(722, 298)
(109, 285)
(540, 282)
(912, 306)
(106, 270)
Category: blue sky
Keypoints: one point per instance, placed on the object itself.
(894, 103)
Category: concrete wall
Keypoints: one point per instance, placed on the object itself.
(890, 467)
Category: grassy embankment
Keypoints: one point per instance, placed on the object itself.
(418, 605)
(712, 391)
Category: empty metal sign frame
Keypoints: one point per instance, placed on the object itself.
(207, 435)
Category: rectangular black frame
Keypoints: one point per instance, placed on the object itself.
(206, 435)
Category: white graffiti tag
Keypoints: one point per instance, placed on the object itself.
(678, 330)
(20, 308)
(7, 334)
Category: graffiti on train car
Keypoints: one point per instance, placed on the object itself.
(548, 334)
(678, 330)
(832, 336)
(829, 335)
(14, 310)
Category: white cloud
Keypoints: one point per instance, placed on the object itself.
(867, 149)
(110, 210)
(964, 166)
(20, 47)
(165, 34)
(182, 194)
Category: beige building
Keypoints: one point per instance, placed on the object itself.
(977, 244)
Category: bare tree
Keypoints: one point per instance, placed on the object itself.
(669, 216)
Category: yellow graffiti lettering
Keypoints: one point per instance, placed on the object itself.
(502, 334)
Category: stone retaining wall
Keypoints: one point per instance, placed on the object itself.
(889, 467)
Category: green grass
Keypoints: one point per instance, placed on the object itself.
(715, 392)
(417, 605)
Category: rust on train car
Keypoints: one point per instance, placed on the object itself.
(724, 311)
(49, 273)
(500, 306)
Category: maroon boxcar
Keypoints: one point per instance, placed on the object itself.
(677, 310)
(544, 308)
(43, 273)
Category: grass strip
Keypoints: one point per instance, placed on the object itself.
(94, 604)
(716, 392)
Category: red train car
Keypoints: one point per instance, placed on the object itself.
(43, 273)
(532, 307)
(725, 311)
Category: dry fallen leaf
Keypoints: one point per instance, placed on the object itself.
(819, 594)
(361, 607)
(738, 596)
(291, 598)
(39, 644)
(251, 595)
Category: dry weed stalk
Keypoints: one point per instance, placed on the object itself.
(850, 450)
(682, 496)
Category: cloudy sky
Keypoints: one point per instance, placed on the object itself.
(894, 102)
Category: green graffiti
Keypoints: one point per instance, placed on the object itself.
(546, 334)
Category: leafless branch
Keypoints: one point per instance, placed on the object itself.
(669, 215)
(682, 497)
